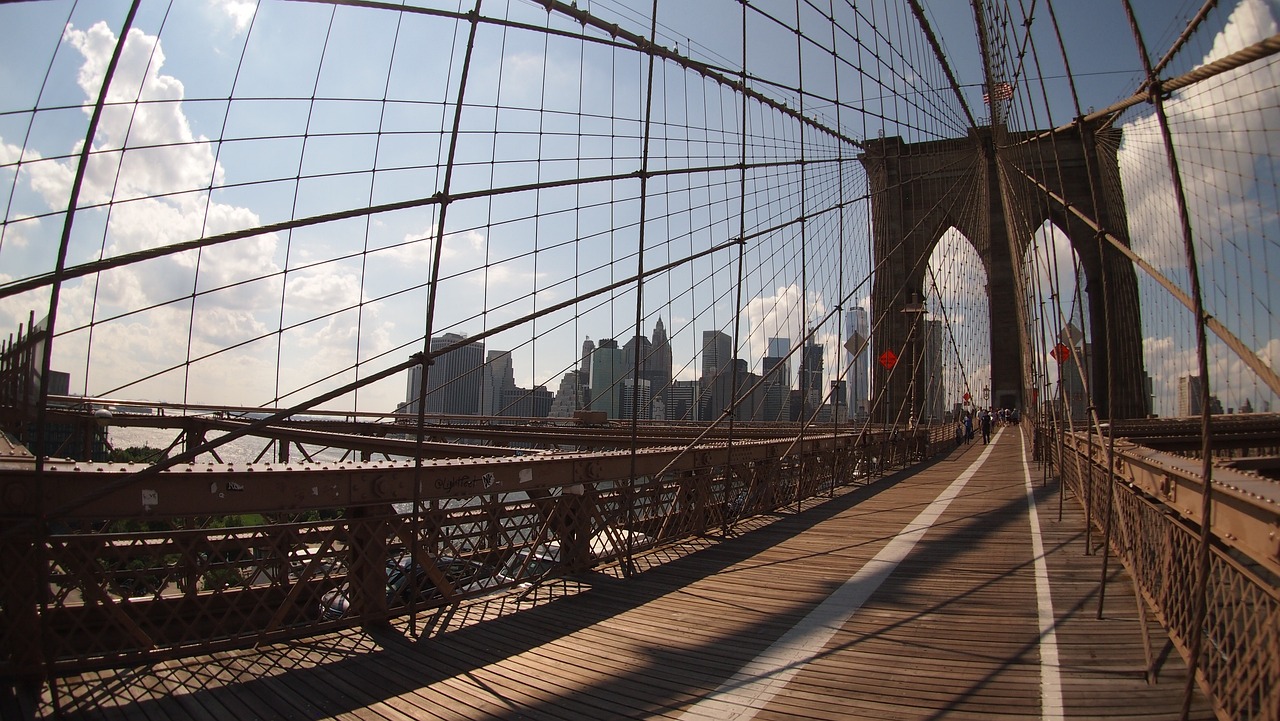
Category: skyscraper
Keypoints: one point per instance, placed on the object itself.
(654, 358)
(778, 348)
(453, 381)
(607, 372)
(685, 397)
(838, 413)
(569, 397)
(659, 368)
(810, 379)
(777, 371)
(1072, 388)
(776, 387)
(1189, 396)
(716, 383)
(588, 347)
(637, 352)
(933, 395)
(411, 389)
(584, 374)
(498, 377)
(639, 349)
(856, 333)
(525, 403)
(635, 399)
(717, 353)
(729, 389)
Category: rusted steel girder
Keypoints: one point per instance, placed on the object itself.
(1246, 508)
(71, 490)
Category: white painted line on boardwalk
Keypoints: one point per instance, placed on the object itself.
(1051, 708)
(753, 686)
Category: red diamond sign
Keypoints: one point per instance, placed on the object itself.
(1060, 352)
(888, 359)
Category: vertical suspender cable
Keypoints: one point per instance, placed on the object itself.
(1200, 597)
(629, 489)
(839, 453)
(1092, 414)
(1088, 145)
(732, 408)
(55, 290)
(805, 360)
(432, 293)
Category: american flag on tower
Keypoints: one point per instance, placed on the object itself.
(1001, 91)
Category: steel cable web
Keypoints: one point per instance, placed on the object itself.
(488, 229)
(502, 123)
(330, 120)
(522, 131)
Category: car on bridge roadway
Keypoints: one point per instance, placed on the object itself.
(408, 581)
(543, 559)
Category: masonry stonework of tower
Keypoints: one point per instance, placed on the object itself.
(920, 190)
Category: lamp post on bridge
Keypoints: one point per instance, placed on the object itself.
(916, 310)
(931, 399)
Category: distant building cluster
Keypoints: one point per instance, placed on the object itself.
(1190, 401)
(856, 329)
(635, 379)
(465, 382)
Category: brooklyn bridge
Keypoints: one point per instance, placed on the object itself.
(449, 359)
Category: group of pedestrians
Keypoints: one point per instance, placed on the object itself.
(987, 417)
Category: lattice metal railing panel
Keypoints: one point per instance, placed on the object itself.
(134, 590)
(1237, 664)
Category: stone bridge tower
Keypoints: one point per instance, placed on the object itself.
(920, 190)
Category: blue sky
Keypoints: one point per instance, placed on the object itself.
(284, 315)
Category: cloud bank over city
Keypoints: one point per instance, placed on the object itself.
(1224, 139)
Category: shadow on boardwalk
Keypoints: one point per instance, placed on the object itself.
(596, 645)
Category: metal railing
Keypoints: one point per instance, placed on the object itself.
(110, 566)
(1147, 512)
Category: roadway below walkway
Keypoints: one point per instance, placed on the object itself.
(951, 590)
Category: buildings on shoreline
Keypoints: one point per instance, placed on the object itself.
(631, 378)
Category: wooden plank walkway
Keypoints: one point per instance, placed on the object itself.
(913, 598)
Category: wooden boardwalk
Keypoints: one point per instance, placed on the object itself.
(913, 598)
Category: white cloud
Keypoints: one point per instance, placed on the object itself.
(467, 244)
(1220, 127)
(165, 155)
(780, 315)
(1223, 128)
(955, 293)
(50, 178)
(240, 12)
(528, 80)
(1052, 263)
(1166, 362)
(9, 153)
(1270, 353)
(16, 232)
(157, 188)
(1230, 380)
(218, 327)
(417, 249)
(323, 288)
